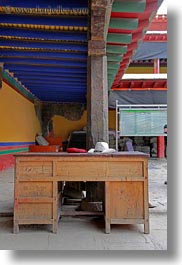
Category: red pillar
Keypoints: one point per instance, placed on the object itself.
(160, 147)
(160, 139)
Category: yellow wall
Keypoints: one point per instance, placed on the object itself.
(17, 116)
(144, 70)
(63, 127)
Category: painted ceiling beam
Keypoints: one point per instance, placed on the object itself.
(52, 79)
(42, 55)
(119, 38)
(51, 83)
(48, 69)
(116, 49)
(129, 6)
(39, 74)
(142, 25)
(42, 91)
(38, 61)
(43, 20)
(55, 82)
(151, 6)
(123, 23)
(61, 89)
(114, 58)
(45, 3)
(44, 45)
(58, 93)
(112, 71)
(113, 65)
(50, 91)
(62, 98)
(43, 34)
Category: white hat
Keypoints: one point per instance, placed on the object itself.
(101, 147)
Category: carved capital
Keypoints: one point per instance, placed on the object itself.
(100, 16)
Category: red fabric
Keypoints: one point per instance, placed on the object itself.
(75, 150)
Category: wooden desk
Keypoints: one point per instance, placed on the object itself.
(126, 185)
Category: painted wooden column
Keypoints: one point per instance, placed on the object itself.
(160, 139)
(97, 100)
(97, 88)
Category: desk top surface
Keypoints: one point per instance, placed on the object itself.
(96, 154)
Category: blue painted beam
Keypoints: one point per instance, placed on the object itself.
(75, 21)
(60, 99)
(43, 93)
(56, 84)
(45, 3)
(64, 100)
(48, 62)
(44, 45)
(52, 79)
(52, 85)
(44, 34)
(46, 69)
(43, 75)
(51, 82)
(38, 92)
(43, 55)
(57, 94)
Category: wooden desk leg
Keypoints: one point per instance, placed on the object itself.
(146, 200)
(107, 227)
(146, 227)
(15, 228)
(107, 208)
(54, 226)
(55, 205)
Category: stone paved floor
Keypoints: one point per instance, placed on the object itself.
(87, 233)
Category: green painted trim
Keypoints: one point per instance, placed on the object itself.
(112, 71)
(12, 151)
(113, 65)
(116, 49)
(123, 23)
(18, 87)
(110, 84)
(128, 6)
(119, 38)
(114, 58)
(111, 76)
